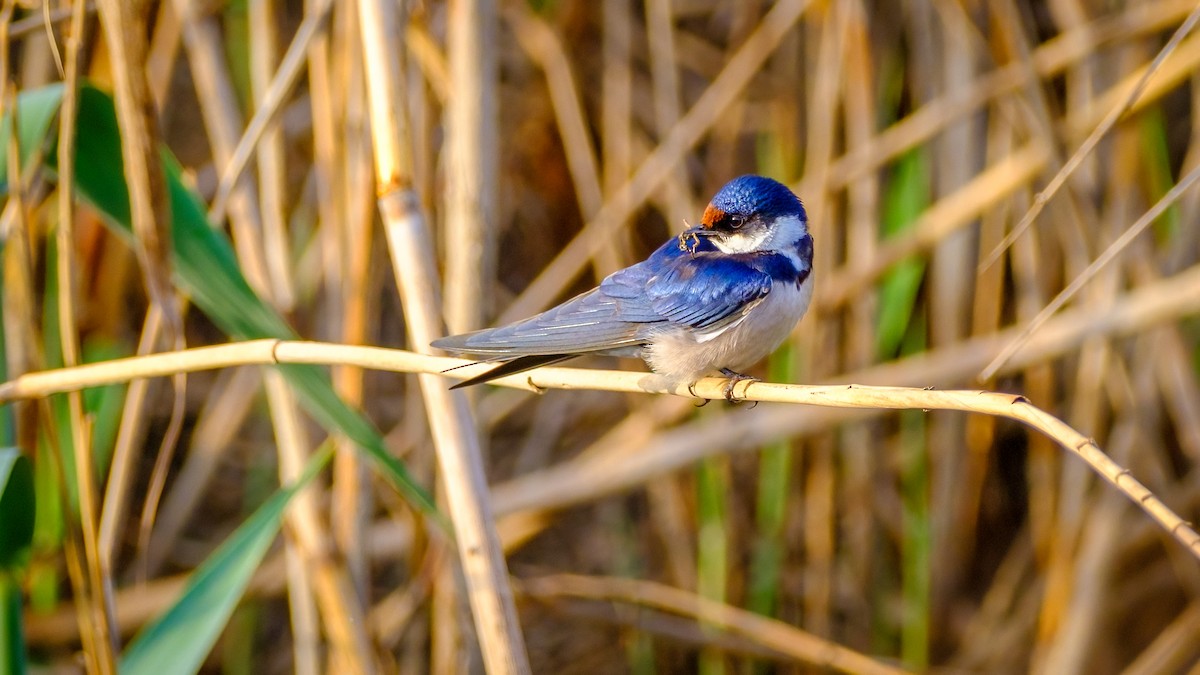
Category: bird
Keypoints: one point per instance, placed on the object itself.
(714, 300)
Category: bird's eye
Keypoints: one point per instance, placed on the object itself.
(736, 222)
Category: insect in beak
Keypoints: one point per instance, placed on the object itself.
(689, 239)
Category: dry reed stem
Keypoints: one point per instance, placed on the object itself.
(267, 111)
(306, 544)
(305, 553)
(1064, 296)
(124, 26)
(290, 437)
(665, 92)
(97, 601)
(616, 118)
(163, 53)
(472, 163)
(542, 45)
(470, 219)
(1049, 59)
(836, 396)
(450, 420)
(272, 169)
(350, 242)
(219, 421)
(1175, 647)
(125, 37)
(130, 433)
(771, 634)
(1115, 111)
(223, 124)
(459, 455)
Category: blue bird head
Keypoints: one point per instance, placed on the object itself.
(750, 196)
(753, 213)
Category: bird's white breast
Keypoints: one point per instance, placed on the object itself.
(685, 356)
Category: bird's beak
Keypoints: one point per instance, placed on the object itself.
(697, 231)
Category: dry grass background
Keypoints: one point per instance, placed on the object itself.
(546, 144)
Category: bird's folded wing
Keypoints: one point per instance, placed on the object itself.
(708, 293)
(590, 322)
(702, 292)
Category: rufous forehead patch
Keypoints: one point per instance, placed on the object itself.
(712, 216)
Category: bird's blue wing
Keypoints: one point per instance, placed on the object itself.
(697, 290)
(587, 323)
(707, 291)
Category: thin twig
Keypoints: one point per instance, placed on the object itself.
(769, 633)
(835, 396)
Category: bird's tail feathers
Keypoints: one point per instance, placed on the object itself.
(511, 367)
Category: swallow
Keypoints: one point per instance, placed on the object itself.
(713, 301)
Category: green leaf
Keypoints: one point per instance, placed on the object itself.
(37, 110)
(12, 634)
(104, 404)
(906, 197)
(180, 639)
(1156, 155)
(16, 507)
(204, 264)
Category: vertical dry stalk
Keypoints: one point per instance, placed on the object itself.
(469, 220)
(143, 89)
(543, 46)
(951, 282)
(472, 162)
(290, 436)
(130, 433)
(163, 53)
(354, 231)
(97, 600)
(831, 31)
(450, 420)
(351, 648)
(218, 423)
(333, 218)
(272, 174)
(660, 33)
(222, 121)
(861, 110)
(616, 118)
(125, 35)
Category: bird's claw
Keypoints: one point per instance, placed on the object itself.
(734, 378)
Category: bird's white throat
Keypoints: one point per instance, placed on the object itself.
(782, 237)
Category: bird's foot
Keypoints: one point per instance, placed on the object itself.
(734, 378)
(692, 390)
